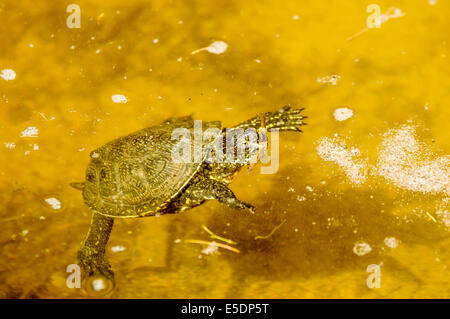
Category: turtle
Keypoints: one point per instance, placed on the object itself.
(136, 176)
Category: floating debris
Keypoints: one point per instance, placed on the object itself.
(432, 218)
(100, 17)
(203, 242)
(51, 118)
(362, 249)
(116, 249)
(329, 79)
(272, 232)
(10, 145)
(53, 202)
(391, 242)
(30, 131)
(217, 47)
(98, 284)
(229, 241)
(119, 98)
(211, 249)
(8, 74)
(342, 114)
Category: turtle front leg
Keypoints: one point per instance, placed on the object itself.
(206, 189)
(224, 195)
(285, 119)
(91, 256)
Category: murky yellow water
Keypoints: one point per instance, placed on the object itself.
(379, 179)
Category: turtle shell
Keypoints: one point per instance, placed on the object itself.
(136, 175)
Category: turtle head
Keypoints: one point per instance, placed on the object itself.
(78, 185)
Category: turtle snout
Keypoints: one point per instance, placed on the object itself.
(78, 185)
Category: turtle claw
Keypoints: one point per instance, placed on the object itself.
(95, 264)
(237, 204)
(286, 119)
(250, 207)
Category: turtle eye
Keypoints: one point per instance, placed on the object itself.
(90, 177)
(102, 174)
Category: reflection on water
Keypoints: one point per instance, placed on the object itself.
(366, 184)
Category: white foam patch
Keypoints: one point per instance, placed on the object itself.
(402, 160)
(412, 165)
(336, 151)
(443, 213)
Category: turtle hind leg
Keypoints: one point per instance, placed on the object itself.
(91, 256)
